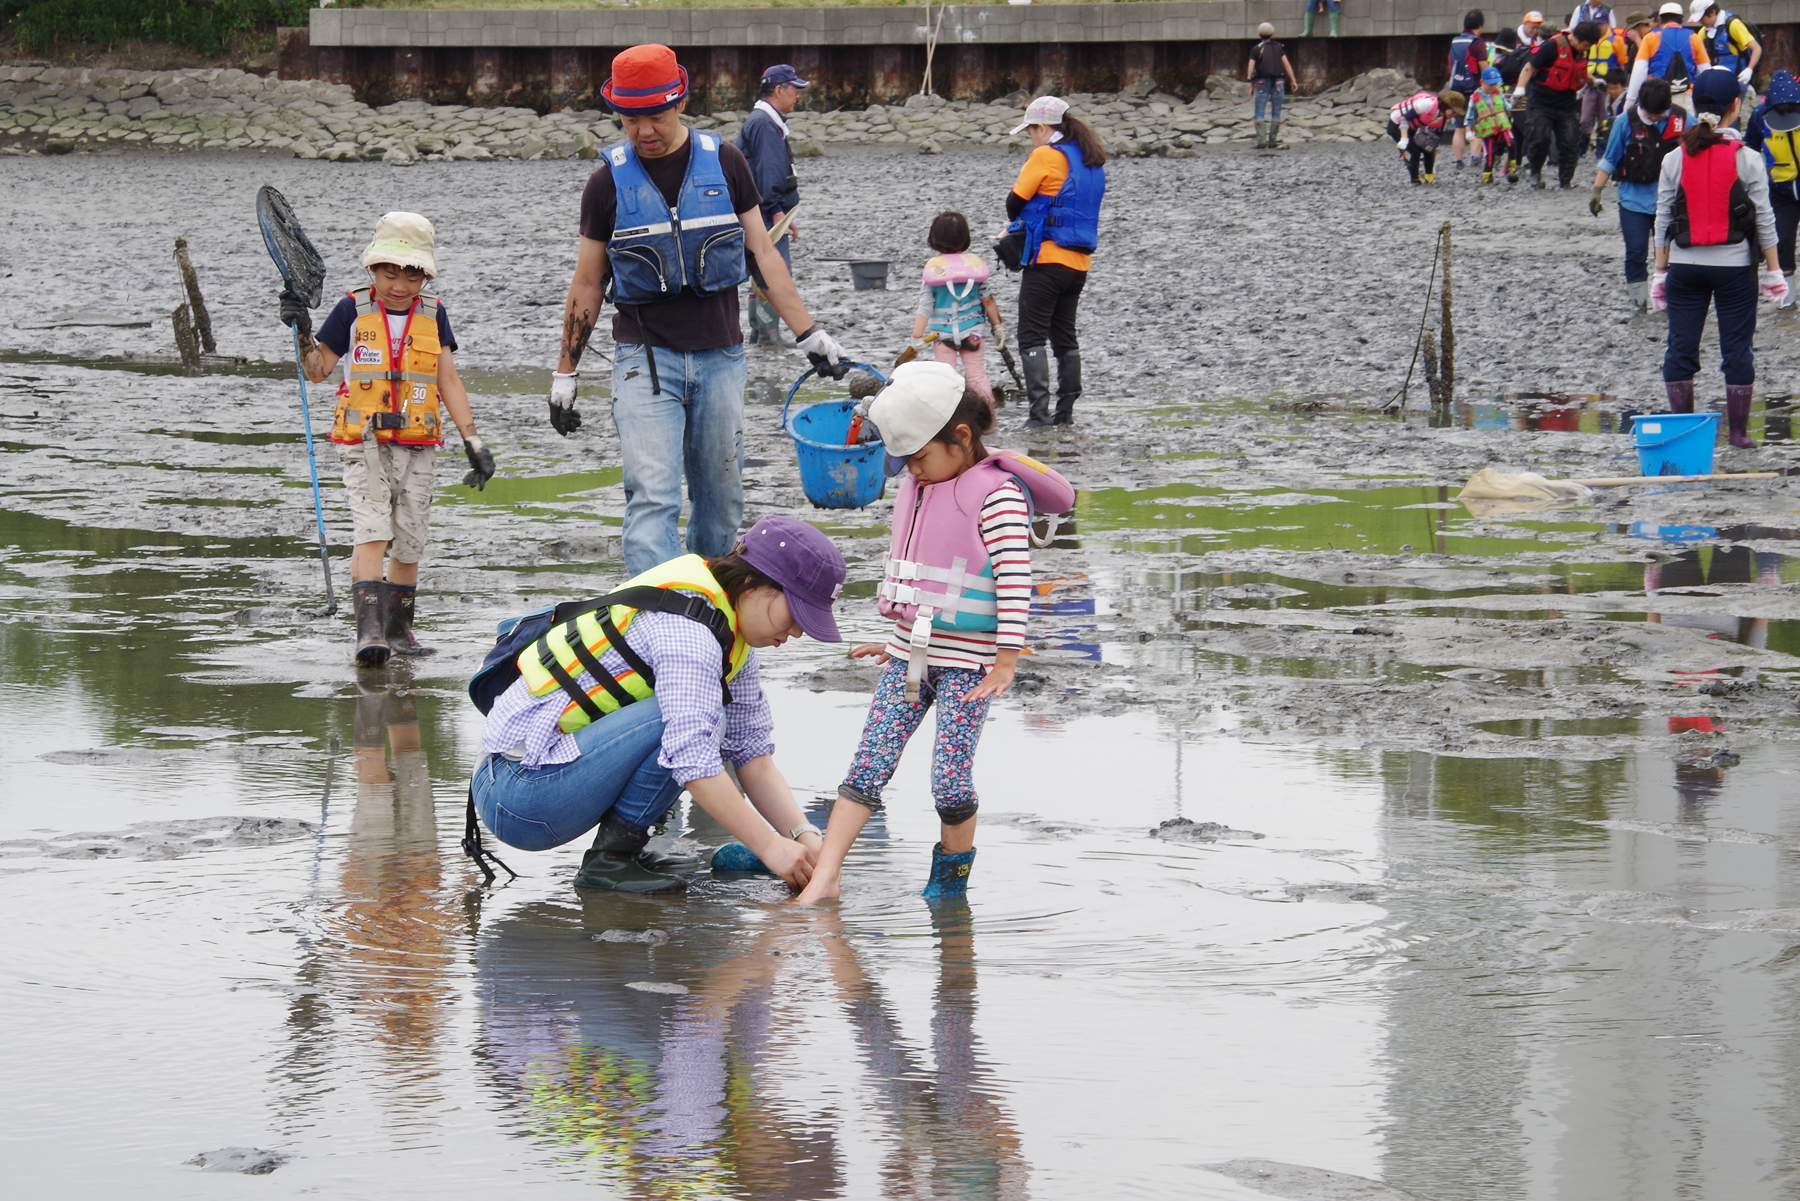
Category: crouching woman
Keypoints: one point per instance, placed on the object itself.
(623, 702)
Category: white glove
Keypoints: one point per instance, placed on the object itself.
(1519, 92)
(1404, 143)
(1659, 291)
(562, 387)
(1773, 285)
(1744, 78)
(820, 346)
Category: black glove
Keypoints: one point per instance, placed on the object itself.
(294, 312)
(481, 462)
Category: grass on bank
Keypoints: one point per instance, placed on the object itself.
(206, 27)
(677, 3)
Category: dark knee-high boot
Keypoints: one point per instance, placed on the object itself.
(1681, 395)
(399, 626)
(1068, 386)
(612, 862)
(1035, 362)
(1737, 415)
(370, 600)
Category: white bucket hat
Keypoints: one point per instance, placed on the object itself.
(917, 403)
(405, 240)
(1045, 110)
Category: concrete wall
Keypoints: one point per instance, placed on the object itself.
(549, 58)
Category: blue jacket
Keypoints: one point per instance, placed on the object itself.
(771, 162)
(1071, 218)
(653, 253)
(1783, 89)
(1638, 197)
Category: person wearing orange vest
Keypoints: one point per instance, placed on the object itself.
(1553, 81)
(1713, 223)
(397, 347)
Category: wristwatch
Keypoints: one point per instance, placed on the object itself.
(808, 828)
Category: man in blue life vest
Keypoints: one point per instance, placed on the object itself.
(1468, 58)
(1672, 52)
(1729, 43)
(671, 226)
(764, 141)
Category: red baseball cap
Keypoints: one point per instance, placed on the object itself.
(645, 80)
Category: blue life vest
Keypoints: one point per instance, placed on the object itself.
(1722, 53)
(1462, 78)
(1071, 218)
(653, 253)
(1674, 41)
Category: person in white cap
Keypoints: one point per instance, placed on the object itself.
(387, 425)
(1731, 42)
(958, 588)
(1055, 205)
(1671, 52)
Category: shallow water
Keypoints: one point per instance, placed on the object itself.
(1519, 925)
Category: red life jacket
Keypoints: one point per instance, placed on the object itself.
(1569, 72)
(1712, 208)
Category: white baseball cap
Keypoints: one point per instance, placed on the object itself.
(917, 403)
(1672, 9)
(405, 240)
(1698, 10)
(1045, 110)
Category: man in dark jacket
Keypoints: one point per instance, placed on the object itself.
(764, 141)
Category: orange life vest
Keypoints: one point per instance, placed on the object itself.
(391, 383)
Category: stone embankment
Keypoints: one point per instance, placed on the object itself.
(54, 110)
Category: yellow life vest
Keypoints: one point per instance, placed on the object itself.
(1784, 158)
(373, 379)
(571, 647)
(1611, 51)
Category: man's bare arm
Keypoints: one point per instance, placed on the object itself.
(583, 309)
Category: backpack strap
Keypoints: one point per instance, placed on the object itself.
(649, 599)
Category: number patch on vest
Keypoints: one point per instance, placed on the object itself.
(365, 335)
(366, 356)
(418, 392)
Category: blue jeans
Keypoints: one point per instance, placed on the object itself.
(1637, 228)
(694, 422)
(1732, 293)
(1269, 92)
(536, 808)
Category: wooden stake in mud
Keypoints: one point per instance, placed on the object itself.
(186, 340)
(1434, 386)
(1446, 330)
(196, 306)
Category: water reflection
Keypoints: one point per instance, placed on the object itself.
(1699, 566)
(668, 1049)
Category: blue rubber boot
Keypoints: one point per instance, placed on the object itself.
(949, 873)
(736, 857)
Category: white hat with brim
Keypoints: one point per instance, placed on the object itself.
(1698, 10)
(1045, 110)
(1672, 9)
(918, 402)
(405, 240)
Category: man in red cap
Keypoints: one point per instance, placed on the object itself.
(671, 225)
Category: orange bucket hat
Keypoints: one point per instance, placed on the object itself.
(645, 80)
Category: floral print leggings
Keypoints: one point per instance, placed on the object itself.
(891, 723)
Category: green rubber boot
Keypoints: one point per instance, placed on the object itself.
(612, 862)
(1306, 28)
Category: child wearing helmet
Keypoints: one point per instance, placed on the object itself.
(958, 588)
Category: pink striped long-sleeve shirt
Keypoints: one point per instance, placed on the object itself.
(1006, 532)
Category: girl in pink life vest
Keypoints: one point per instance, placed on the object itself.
(956, 303)
(958, 588)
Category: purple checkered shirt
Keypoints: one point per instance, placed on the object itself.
(698, 732)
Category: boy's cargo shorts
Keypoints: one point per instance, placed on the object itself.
(389, 487)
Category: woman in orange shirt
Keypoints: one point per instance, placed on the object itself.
(1055, 202)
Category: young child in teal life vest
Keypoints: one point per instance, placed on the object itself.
(956, 303)
(958, 588)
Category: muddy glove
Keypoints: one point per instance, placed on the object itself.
(563, 417)
(481, 463)
(1659, 291)
(1773, 285)
(1594, 200)
(824, 351)
(294, 312)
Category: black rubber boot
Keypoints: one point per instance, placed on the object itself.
(612, 862)
(1068, 386)
(1035, 363)
(372, 648)
(400, 636)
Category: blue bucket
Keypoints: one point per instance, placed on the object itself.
(1675, 443)
(832, 475)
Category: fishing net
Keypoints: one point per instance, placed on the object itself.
(302, 269)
